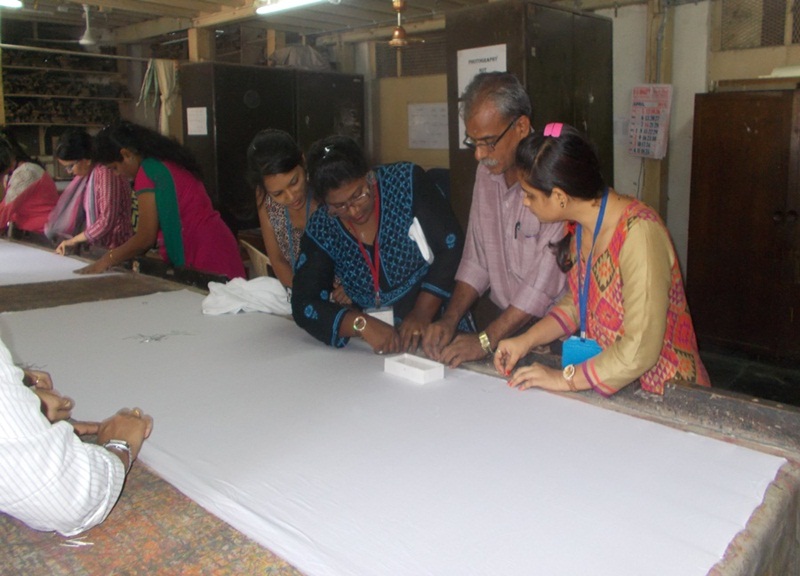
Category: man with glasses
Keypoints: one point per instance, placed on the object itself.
(507, 248)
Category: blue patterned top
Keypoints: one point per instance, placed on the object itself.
(328, 249)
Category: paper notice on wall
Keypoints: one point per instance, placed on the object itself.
(474, 61)
(648, 131)
(427, 126)
(197, 121)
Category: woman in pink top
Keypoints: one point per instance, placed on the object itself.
(175, 212)
(28, 192)
(96, 194)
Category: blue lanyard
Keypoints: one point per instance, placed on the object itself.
(289, 228)
(583, 288)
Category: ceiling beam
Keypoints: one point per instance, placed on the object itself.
(140, 7)
(194, 6)
(150, 29)
(226, 15)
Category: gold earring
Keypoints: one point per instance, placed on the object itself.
(562, 204)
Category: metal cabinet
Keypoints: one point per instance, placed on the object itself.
(234, 102)
(562, 57)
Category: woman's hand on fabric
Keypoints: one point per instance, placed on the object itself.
(437, 335)
(62, 247)
(538, 376)
(97, 267)
(55, 407)
(411, 331)
(383, 338)
(508, 353)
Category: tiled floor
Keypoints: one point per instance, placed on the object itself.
(779, 382)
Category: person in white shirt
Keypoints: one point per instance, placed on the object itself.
(49, 478)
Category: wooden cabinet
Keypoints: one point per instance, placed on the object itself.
(743, 265)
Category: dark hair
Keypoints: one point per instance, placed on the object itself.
(271, 152)
(567, 161)
(333, 162)
(502, 89)
(143, 141)
(11, 151)
(74, 144)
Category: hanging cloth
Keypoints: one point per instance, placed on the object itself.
(159, 90)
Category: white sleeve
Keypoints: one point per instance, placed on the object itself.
(49, 478)
(22, 178)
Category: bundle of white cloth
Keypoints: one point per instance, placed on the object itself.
(262, 294)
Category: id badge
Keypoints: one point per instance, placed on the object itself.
(576, 350)
(384, 314)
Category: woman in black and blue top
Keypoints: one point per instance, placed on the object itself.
(390, 237)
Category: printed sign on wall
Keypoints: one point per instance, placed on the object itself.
(648, 131)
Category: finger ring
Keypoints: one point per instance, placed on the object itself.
(380, 351)
(137, 413)
(416, 333)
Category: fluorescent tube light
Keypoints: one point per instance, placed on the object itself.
(10, 3)
(281, 5)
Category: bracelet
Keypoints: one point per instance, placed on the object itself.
(111, 256)
(485, 343)
(122, 446)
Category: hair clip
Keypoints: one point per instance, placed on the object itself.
(553, 129)
(327, 149)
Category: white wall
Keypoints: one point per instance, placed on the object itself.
(689, 77)
(689, 72)
(629, 51)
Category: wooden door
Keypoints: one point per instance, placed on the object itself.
(737, 233)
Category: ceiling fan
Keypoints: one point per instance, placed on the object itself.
(399, 37)
(88, 39)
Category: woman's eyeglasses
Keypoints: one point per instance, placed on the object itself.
(357, 200)
(490, 142)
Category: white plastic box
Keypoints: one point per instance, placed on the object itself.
(413, 368)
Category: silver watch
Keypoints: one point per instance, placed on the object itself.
(123, 446)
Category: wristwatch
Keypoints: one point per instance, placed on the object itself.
(121, 446)
(569, 374)
(359, 324)
(485, 343)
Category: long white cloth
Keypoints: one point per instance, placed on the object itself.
(342, 469)
(22, 264)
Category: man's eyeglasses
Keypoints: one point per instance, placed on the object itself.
(473, 144)
(357, 200)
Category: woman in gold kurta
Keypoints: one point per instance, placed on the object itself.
(636, 309)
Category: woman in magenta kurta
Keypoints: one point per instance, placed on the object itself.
(175, 212)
